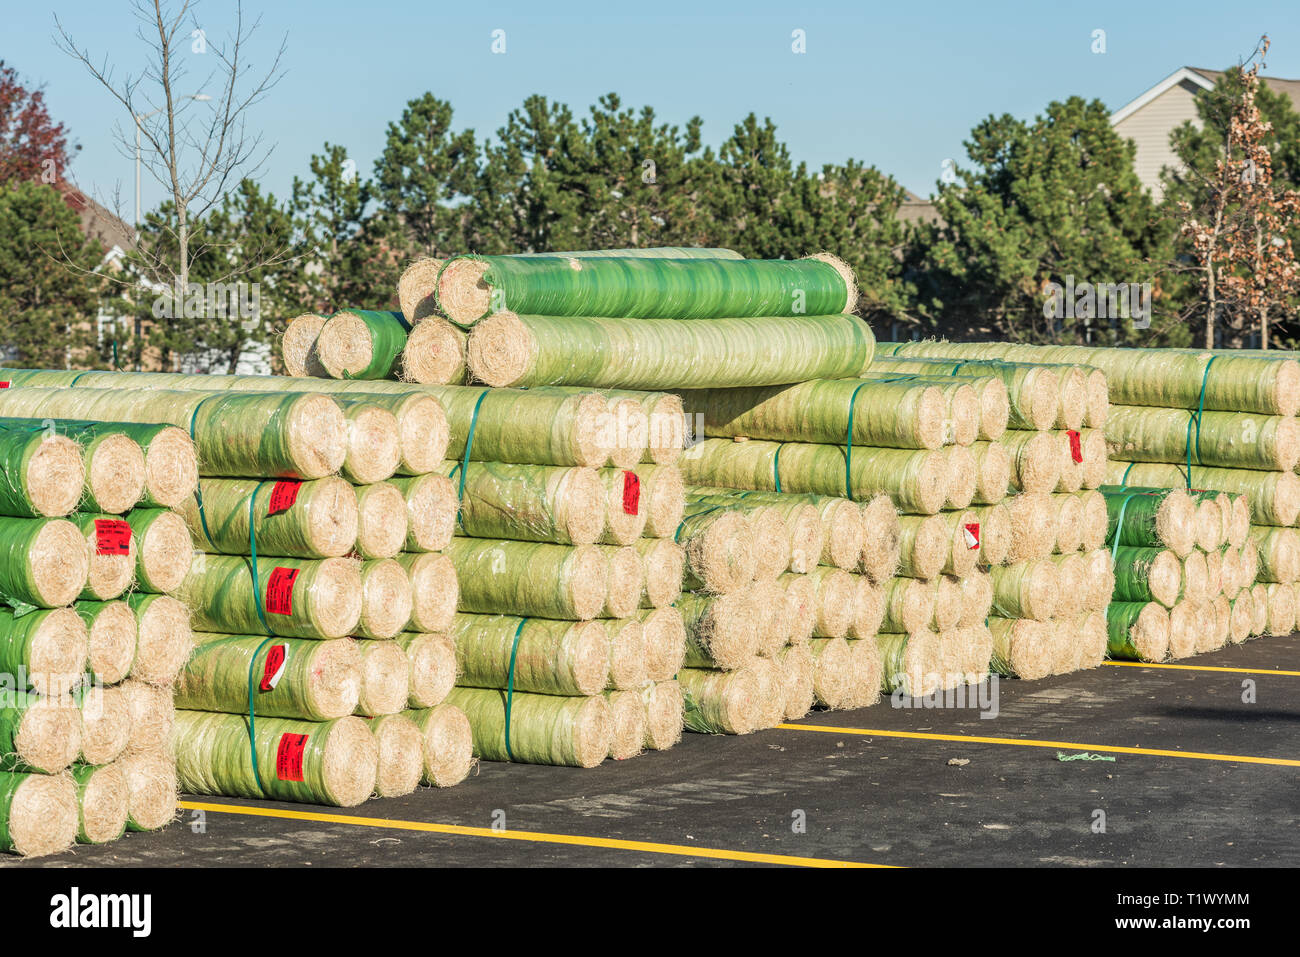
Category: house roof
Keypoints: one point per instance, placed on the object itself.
(1278, 85)
(98, 222)
(1205, 79)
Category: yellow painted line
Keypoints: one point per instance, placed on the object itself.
(1235, 671)
(539, 837)
(1034, 743)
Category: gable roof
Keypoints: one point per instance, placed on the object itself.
(1290, 88)
(1205, 79)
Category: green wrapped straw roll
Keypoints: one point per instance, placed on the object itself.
(43, 473)
(362, 344)
(469, 288)
(114, 477)
(43, 561)
(881, 539)
(625, 582)
(448, 745)
(374, 444)
(385, 678)
(834, 590)
(664, 562)
(924, 545)
(663, 498)
(800, 520)
(38, 813)
(1032, 526)
(1027, 590)
(435, 590)
(383, 521)
(531, 579)
(868, 608)
(387, 600)
(909, 662)
(774, 623)
(330, 762)
(151, 788)
(832, 672)
(1021, 648)
(435, 353)
(111, 638)
(963, 542)
(113, 555)
(719, 702)
(993, 469)
(625, 519)
(976, 598)
(102, 803)
(664, 704)
(1035, 460)
(909, 605)
(551, 657)
(401, 755)
(292, 677)
(720, 549)
(417, 289)
(962, 476)
(152, 713)
(795, 667)
(105, 721)
(163, 548)
(721, 631)
(38, 734)
(1033, 390)
(298, 345)
(897, 414)
(1225, 439)
(290, 434)
(527, 427)
(994, 534)
(164, 637)
(1153, 518)
(1068, 523)
(512, 349)
(1279, 606)
(431, 508)
(1274, 497)
(422, 432)
(627, 653)
(299, 598)
(433, 668)
(45, 651)
(295, 519)
(1138, 631)
(1279, 553)
(649, 252)
(627, 715)
(664, 633)
(1148, 574)
(962, 401)
(544, 729)
(535, 503)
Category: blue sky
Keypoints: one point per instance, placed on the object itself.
(897, 85)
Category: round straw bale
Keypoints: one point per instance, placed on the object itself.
(385, 678)
(163, 638)
(834, 601)
(1215, 637)
(298, 346)
(774, 624)
(1098, 404)
(1071, 478)
(104, 803)
(1035, 460)
(1184, 625)
(1248, 559)
(1209, 524)
(1278, 553)
(431, 507)
(1241, 617)
(105, 723)
(432, 660)
(963, 473)
(720, 552)
(976, 598)
(771, 700)
(1072, 572)
(1239, 521)
(627, 653)
(881, 539)
(963, 542)
(42, 813)
(1093, 520)
(720, 702)
(797, 695)
(435, 353)
(910, 662)
(663, 709)
(721, 631)
(801, 602)
(1021, 647)
(163, 550)
(1214, 573)
(387, 600)
(868, 608)
(1095, 457)
(964, 414)
(461, 292)
(1073, 398)
(631, 430)
(57, 562)
(1259, 621)
(1027, 590)
(152, 715)
(115, 473)
(435, 590)
(771, 543)
(1280, 606)
(110, 573)
(627, 714)
(416, 288)
(664, 493)
(993, 472)
(381, 520)
(1157, 573)
(665, 641)
(374, 442)
(925, 545)
(43, 734)
(995, 409)
(111, 646)
(832, 672)
(664, 562)
(1230, 571)
(171, 468)
(976, 643)
(151, 789)
(994, 534)
(1196, 578)
(56, 655)
(1100, 578)
(947, 603)
(1149, 633)
(448, 745)
(844, 533)
(624, 524)
(1225, 512)
(851, 283)
(909, 605)
(1032, 531)
(345, 346)
(624, 583)
(401, 755)
(1069, 523)
(867, 666)
(1093, 638)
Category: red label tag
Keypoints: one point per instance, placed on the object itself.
(1076, 447)
(283, 494)
(274, 670)
(288, 757)
(972, 532)
(4, 385)
(631, 492)
(279, 590)
(112, 537)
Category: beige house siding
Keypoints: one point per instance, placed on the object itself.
(1150, 126)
